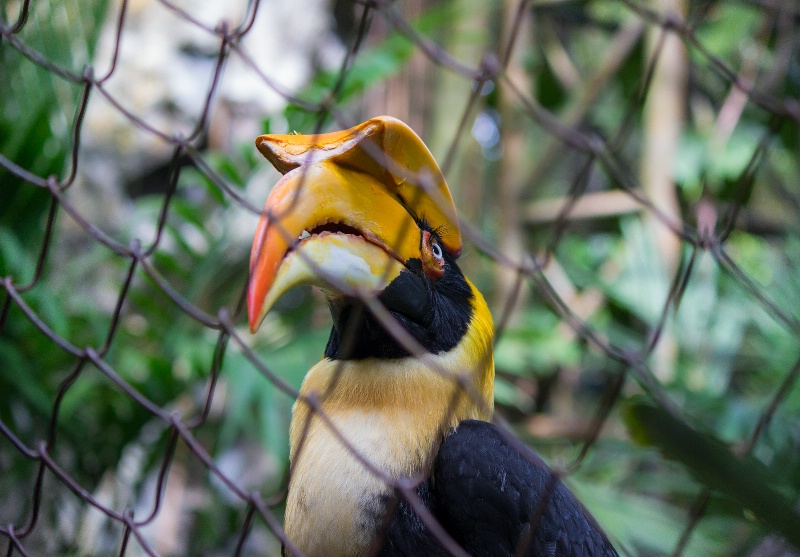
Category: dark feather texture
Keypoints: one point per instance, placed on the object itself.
(496, 499)
(435, 313)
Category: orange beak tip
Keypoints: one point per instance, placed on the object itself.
(253, 322)
(254, 304)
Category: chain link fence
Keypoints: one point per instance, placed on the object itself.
(626, 174)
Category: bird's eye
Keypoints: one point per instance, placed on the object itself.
(436, 250)
(432, 256)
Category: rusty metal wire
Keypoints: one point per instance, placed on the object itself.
(568, 136)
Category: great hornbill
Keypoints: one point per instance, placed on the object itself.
(366, 215)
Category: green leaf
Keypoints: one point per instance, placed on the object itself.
(637, 522)
(743, 479)
(16, 373)
(536, 345)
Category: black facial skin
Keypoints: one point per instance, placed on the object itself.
(435, 313)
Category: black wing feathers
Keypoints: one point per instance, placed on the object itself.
(406, 534)
(497, 501)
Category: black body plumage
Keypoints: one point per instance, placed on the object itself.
(495, 498)
(436, 315)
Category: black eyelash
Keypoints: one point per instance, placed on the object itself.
(439, 231)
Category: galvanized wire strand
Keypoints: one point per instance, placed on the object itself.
(606, 155)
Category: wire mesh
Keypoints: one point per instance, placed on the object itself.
(595, 156)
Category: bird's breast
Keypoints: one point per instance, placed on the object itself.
(381, 421)
(337, 499)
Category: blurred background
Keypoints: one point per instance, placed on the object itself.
(627, 174)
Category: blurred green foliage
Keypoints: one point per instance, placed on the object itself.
(36, 111)
(731, 354)
(743, 479)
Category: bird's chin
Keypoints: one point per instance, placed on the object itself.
(342, 265)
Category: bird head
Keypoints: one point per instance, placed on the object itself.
(366, 212)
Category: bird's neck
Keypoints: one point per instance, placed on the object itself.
(393, 413)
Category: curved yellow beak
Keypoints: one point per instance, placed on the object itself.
(345, 215)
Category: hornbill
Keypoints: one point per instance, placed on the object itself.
(405, 387)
